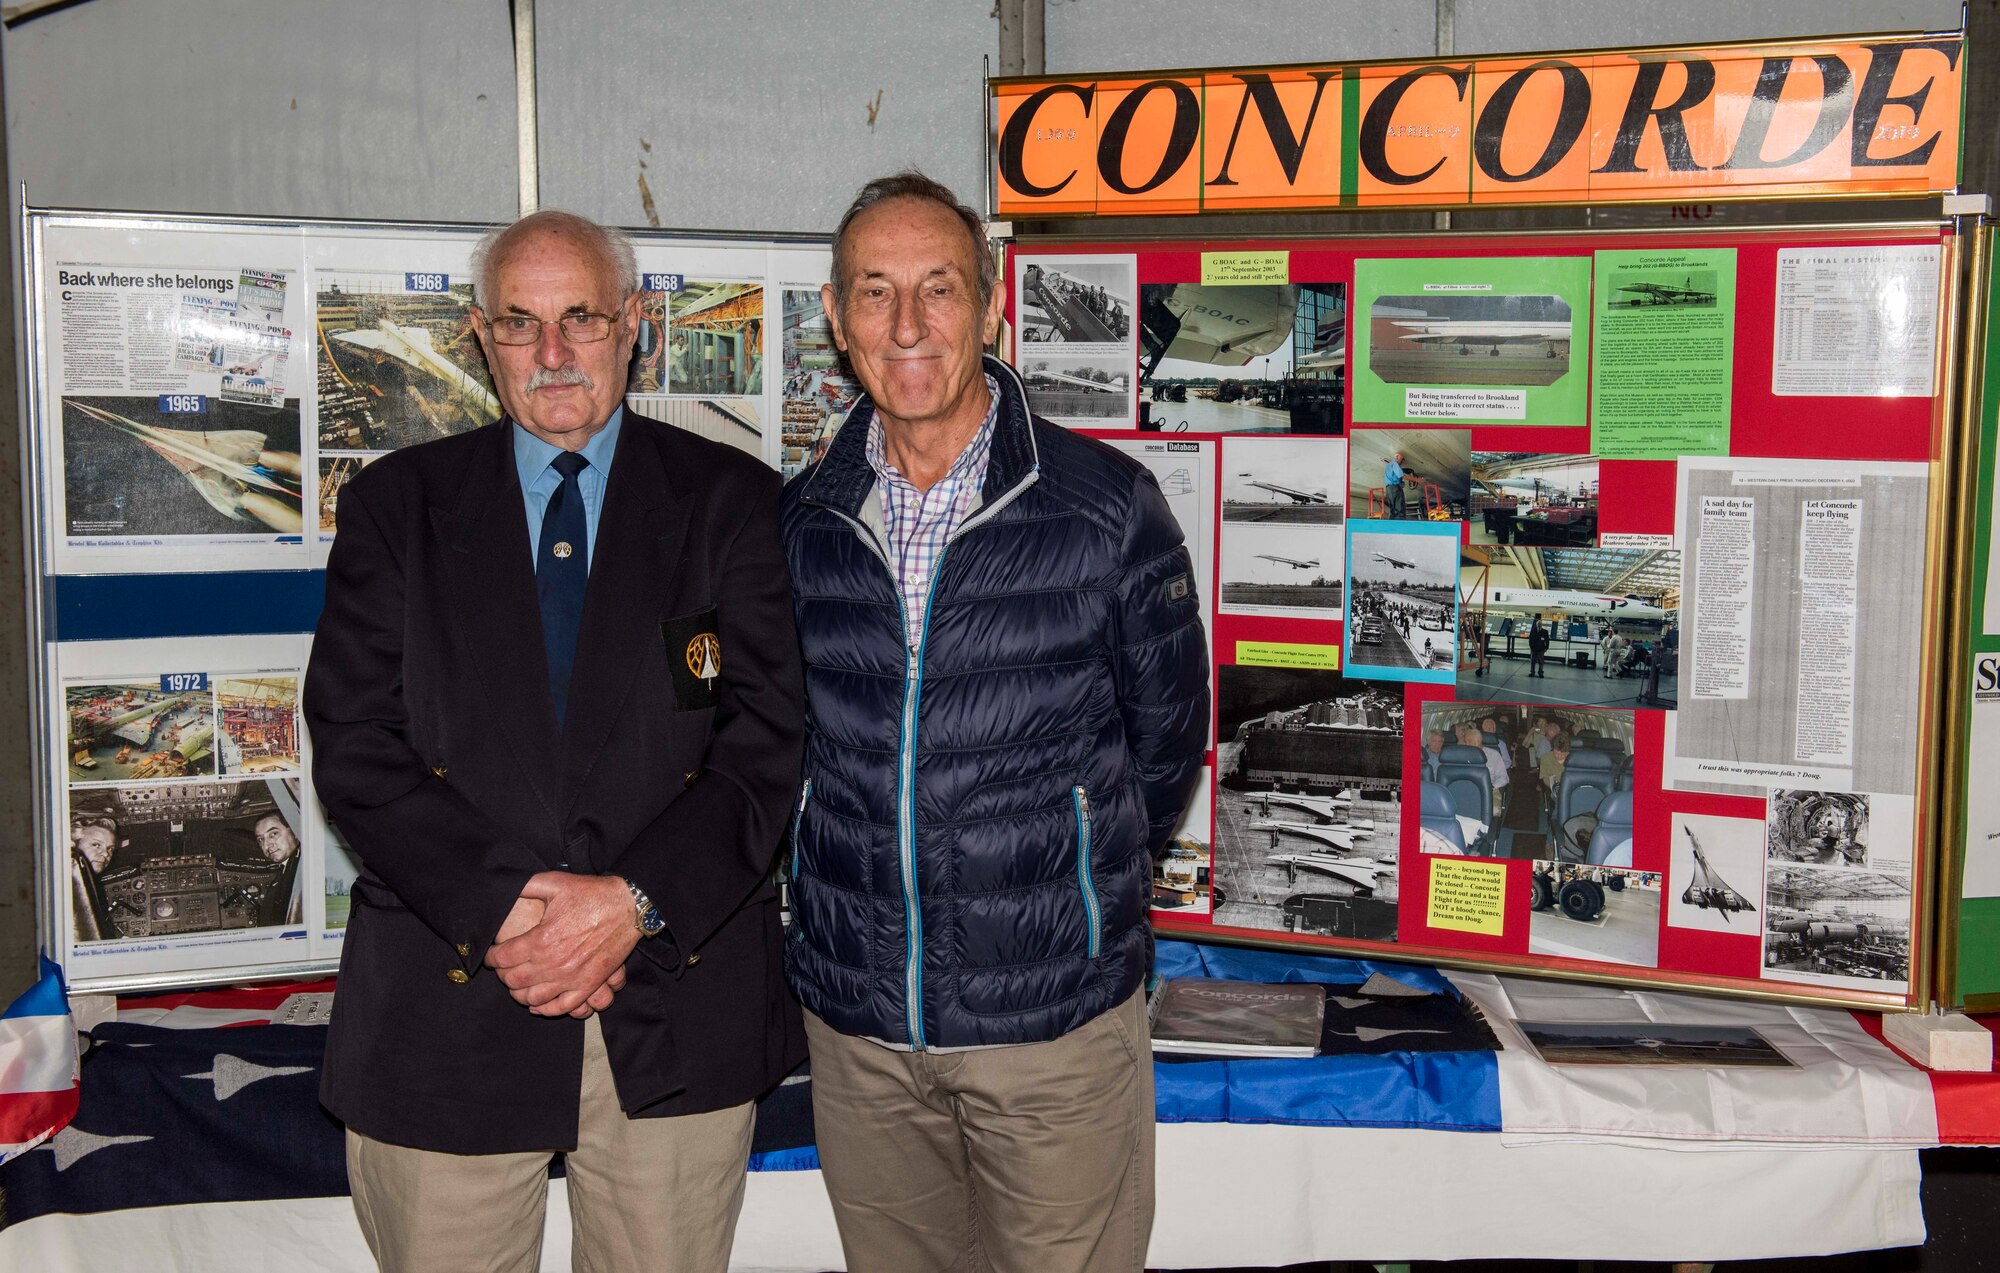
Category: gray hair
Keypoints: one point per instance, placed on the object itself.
(912, 184)
(610, 245)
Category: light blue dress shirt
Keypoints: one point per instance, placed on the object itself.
(532, 458)
(1392, 473)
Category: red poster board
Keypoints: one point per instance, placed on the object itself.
(1782, 723)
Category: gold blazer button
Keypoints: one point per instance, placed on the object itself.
(458, 976)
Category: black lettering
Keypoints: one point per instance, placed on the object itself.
(1290, 149)
(1836, 100)
(1375, 124)
(1874, 99)
(1014, 139)
(1643, 108)
(1571, 116)
(1180, 141)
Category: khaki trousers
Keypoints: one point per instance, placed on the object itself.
(1028, 1159)
(653, 1194)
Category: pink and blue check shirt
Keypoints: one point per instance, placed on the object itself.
(920, 522)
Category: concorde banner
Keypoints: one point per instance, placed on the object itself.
(1854, 117)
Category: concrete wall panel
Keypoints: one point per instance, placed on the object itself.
(363, 108)
(1110, 35)
(760, 116)
(1505, 26)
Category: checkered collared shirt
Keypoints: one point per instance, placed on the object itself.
(919, 522)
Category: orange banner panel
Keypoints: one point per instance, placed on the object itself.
(1047, 151)
(1915, 117)
(1653, 130)
(1415, 135)
(1784, 116)
(1530, 121)
(1149, 139)
(1271, 139)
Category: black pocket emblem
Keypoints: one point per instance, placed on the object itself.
(694, 656)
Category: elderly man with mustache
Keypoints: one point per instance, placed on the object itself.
(556, 709)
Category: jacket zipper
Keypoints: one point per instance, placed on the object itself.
(1081, 799)
(906, 809)
(788, 870)
(798, 818)
(805, 793)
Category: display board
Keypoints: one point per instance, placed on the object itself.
(1969, 954)
(196, 393)
(1573, 597)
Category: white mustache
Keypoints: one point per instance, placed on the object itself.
(570, 375)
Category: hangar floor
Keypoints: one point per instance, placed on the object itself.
(1507, 680)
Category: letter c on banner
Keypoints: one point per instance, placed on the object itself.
(1375, 124)
(1014, 140)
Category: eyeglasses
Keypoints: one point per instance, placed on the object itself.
(525, 329)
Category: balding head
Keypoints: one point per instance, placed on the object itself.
(610, 247)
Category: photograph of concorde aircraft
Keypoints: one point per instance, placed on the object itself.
(394, 367)
(1470, 339)
(1252, 359)
(1284, 480)
(1644, 288)
(130, 469)
(1715, 868)
(1611, 617)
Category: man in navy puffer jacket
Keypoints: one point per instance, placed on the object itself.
(1007, 692)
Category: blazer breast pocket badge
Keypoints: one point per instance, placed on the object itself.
(694, 657)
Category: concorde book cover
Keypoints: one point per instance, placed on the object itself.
(1212, 1017)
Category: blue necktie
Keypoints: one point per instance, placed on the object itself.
(562, 569)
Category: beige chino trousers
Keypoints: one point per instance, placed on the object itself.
(646, 1195)
(1029, 1159)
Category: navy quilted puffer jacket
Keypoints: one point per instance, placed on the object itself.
(973, 852)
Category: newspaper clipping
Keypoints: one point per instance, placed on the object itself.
(193, 840)
(1076, 345)
(1804, 583)
(178, 402)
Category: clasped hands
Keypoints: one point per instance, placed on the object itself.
(562, 949)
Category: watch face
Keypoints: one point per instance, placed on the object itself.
(651, 922)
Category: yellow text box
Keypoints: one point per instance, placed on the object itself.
(1245, 269)
(1468, 896)
(1286, 654)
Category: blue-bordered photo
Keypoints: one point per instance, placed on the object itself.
(1401, 612)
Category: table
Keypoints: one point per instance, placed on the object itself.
(1609, 1165)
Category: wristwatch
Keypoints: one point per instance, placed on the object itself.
(647, 916)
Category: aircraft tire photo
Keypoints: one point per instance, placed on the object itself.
(1581, 900)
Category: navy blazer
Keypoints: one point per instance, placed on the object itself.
(437, 753)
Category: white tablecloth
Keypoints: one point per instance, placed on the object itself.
(1229, 1195)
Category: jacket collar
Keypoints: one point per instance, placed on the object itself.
(843, 478)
